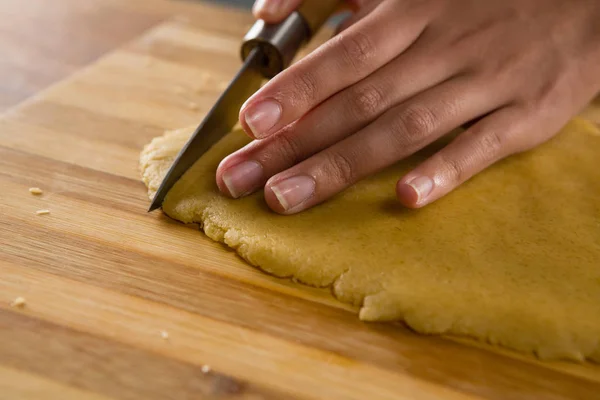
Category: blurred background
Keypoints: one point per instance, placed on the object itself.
(44, 41)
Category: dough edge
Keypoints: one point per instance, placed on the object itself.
(553, 346)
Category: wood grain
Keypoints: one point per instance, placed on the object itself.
(109, 368)
(16, 384)
(46, 41)
(102, 278)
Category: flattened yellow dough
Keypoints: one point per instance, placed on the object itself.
(512, 257)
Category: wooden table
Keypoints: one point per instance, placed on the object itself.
(42, 42)
(121, 304)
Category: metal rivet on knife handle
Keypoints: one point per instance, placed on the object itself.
(279, 43)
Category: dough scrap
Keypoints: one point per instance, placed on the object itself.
(512, 257)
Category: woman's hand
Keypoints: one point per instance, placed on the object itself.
(401, 75)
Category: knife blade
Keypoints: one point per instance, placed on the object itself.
(267, 49)
(220, 120)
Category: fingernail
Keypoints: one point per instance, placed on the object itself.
(423, 186)
(268, 7)
(262, 116)
(243, 178)
(293, 191)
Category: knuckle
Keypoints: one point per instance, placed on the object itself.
(542, 97)
(357, 50)
(550, 91)
(455, 170)
(306, 87)
(366, 101)
(492, 145)
(342, 167)
(415, 123)
(287, 148)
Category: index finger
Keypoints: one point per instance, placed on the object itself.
(342, 61)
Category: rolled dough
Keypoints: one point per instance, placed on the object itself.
(512, 257)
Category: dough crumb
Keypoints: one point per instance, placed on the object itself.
(164, 334)
(193, 106)
(18, 302)
(206, 369)
(42, 212)
(35, 191)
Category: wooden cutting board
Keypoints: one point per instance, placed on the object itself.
(121, 304)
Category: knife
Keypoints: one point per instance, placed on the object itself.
(267, 49)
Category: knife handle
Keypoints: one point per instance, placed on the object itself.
(279, 43)
(317, 12)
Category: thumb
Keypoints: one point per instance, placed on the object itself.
(274, 11)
